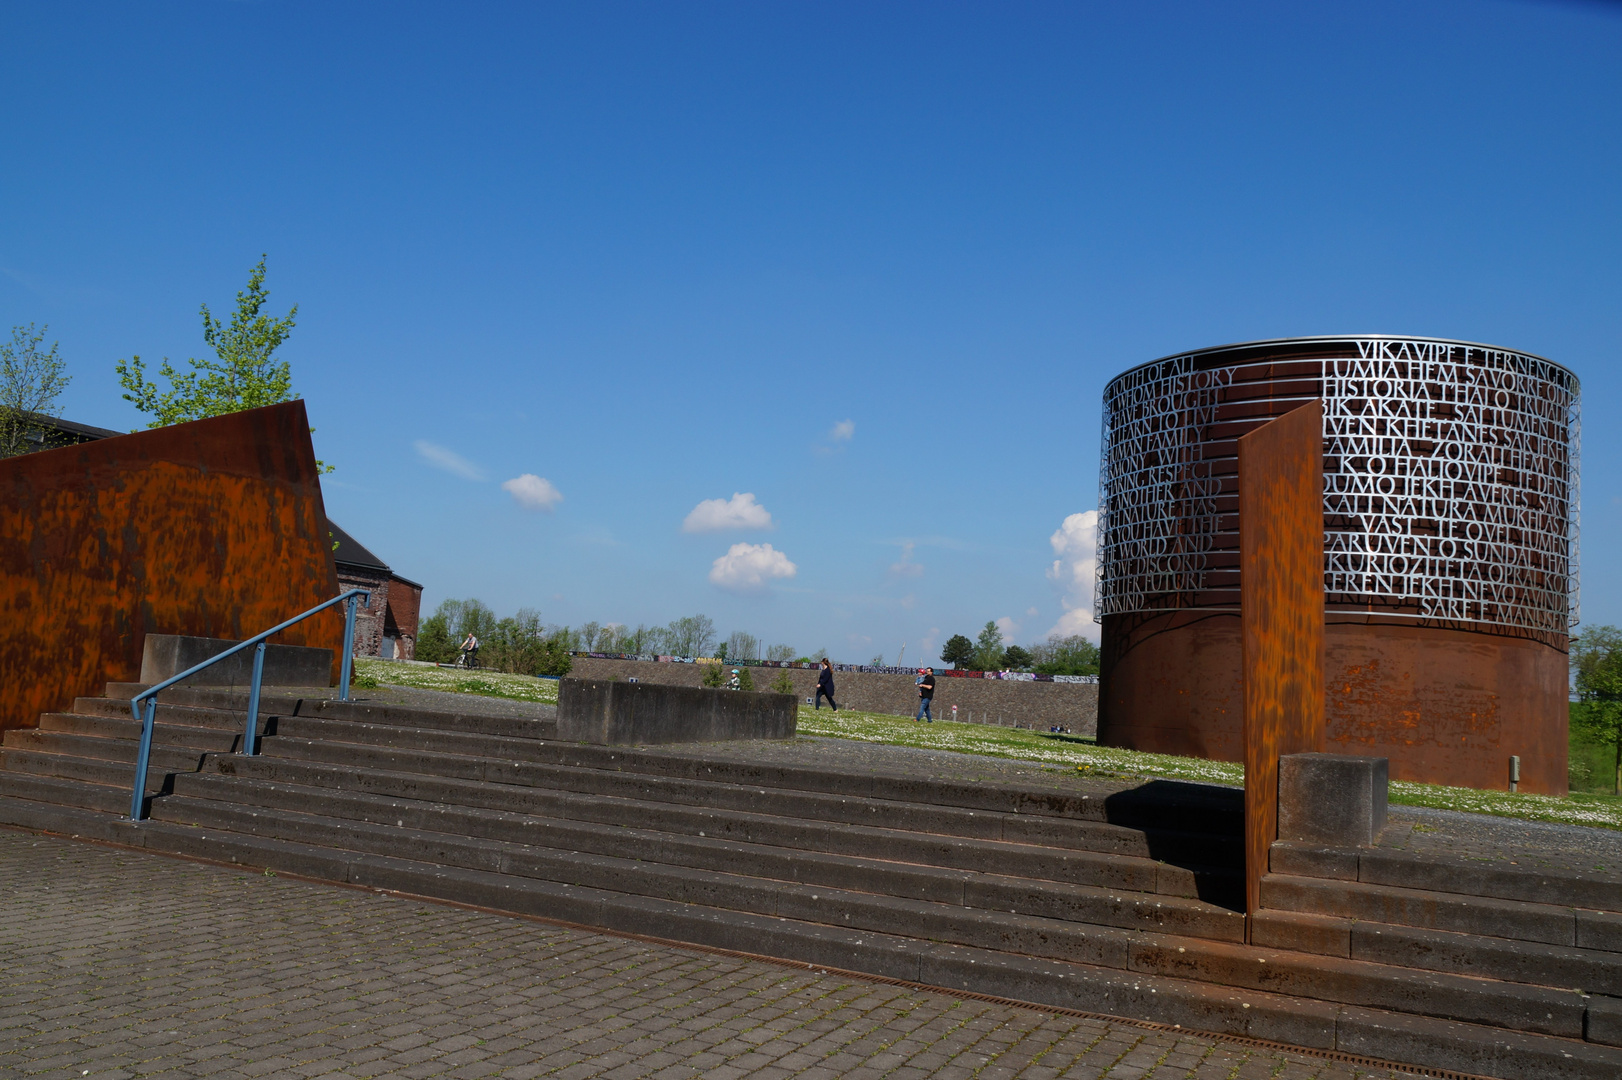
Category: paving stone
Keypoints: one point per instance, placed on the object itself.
(164, 968)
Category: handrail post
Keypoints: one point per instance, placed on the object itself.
(349, 647)
(138, 800)
(249, 738)
(148, 699)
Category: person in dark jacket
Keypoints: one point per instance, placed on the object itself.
(926, 693)
(825, 685)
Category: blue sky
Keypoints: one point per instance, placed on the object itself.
(871, 264)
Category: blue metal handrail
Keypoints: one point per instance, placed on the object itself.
(149, 697)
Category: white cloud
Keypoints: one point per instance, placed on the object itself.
(749, 567)
(1031, 612)
(930, 643)
(843, 431)
(1009, 628)
(905, 567)
(1074, 571)
(533, 492)
(449, 460)
(718, 515)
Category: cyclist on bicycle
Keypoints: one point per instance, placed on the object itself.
(470, 651)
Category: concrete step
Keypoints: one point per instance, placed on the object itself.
(96, 771)
(861, 905)
(163, 758)
(317, 702)
(1587, 970)
(435, 740)
(1516, 920)
(46, 788)
(125, 727)
(762, 825)
(412, 717)
(177, 715)
(1371, 1032)
(1594, 890)
(1076, 834)
(643, 831)
(233, 698)
(1166, 806)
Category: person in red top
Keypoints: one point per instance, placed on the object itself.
(926, 693)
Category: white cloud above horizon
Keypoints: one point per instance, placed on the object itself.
(533, 492)
(719, 515)
(905, 567)
(843, 431)
(448, 460)
(1074, 572)
(748, 568)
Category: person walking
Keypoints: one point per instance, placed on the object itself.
(926, 693)
(825, 685)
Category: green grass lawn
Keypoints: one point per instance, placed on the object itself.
(478, 681)
(1081, 754)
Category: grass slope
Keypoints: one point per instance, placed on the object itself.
(1038, 746)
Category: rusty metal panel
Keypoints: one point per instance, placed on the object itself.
(214, 528)
(1445, 706)
(1281, 614)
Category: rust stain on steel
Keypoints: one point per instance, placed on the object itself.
(1445, 706)
(214, 528)
(1281, 614)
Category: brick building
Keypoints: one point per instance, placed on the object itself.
(387, 625)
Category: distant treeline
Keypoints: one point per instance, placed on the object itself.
(524, 645)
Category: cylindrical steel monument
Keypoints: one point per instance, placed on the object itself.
(1450, 551)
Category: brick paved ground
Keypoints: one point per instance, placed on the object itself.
(122, 964)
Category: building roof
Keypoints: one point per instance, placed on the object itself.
(351, 552)
(75, 428)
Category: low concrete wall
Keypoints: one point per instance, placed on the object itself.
(164, 655)
(604, 711)
(1337, 800)
(1038, 705)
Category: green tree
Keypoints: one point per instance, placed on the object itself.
(713, 676)
(1596, 660)
(782, 684)
(434, 642)
(30, 382)
(746, 681)
(958, 651)
(1016, 658)
(1073, 655)
(691, 636)
(244, 374)
(988, 648)
(743, 646)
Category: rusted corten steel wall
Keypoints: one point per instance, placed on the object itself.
(1281, 615)
(1450, 574)
(213, 528)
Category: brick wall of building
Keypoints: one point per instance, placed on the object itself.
(405, 600)
(369, 616)
(1038, 705)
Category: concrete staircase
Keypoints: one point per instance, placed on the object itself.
(1122, 905)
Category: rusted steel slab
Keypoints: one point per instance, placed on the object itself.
(1445, 706)
(1281, 614)
(214, 528)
